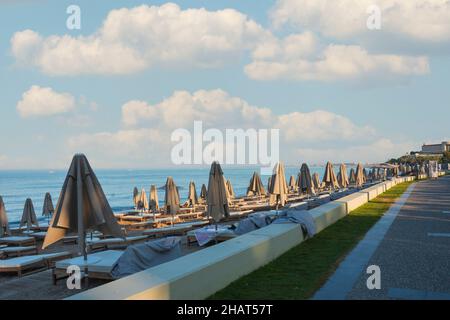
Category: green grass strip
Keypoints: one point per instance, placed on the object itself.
(301, 271)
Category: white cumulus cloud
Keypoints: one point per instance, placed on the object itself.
(304, 57)
(131, 40)
(40, 101)
(427, 21)
(144, 139)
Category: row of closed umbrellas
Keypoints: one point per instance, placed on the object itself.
(277, 186)
(29, 218)
(82, 204)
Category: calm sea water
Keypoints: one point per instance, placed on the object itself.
(17, 186)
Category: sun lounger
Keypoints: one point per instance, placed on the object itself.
(18, 241)
(35, 262)
(139, 225)
(236, 215)
(191, 215)
(134, 218)
(255, 207)
(175, 230)
(207, 234)
(70, 239)
(9, 252)
(104, 243)
(99, 265)
(43, 227)
(40, 235)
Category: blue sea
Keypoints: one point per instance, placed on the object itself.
(17, 186)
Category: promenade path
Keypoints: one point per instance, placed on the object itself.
(411, 246)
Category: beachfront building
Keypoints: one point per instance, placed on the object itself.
(436, 148)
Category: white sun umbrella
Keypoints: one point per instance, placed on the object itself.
(256, 188)
(329, 178)
(217, 198)
(343, 177)
(143, 201)
(230, 189)
(153, 203)
(4, 225)
(278, 186)
(359, 176)
(82, 207)
(316, 181)
(192, 195)
(292, 184)
(172, 198)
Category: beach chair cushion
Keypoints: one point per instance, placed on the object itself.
(103, 261)
(20, 262)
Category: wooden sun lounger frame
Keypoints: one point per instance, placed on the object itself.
(21, 243)
(38, 266)
(173, 232)
(29, 251)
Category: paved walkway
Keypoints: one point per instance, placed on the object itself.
(410, 244)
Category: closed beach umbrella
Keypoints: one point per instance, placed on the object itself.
(329, 177)
(82, 207)
(230, 189)
(29, 216)
(408, 169)
(278, 187)
(203, 193)
(305, 183)
(269, 183)
(136, 196)
(172, 197)
(153, 202)
(365, 176)
(352, 178)
(226, 190)
(192, 195)
(373, 175)
(402, 169)
(343, 177)
(143, 201)
(217, 200)
(292, 184)
(4, 225)
(47, 208)
(256, 188)
(422, 170)
(316, 181)
(359, 175)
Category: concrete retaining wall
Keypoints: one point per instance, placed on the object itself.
(202, 273)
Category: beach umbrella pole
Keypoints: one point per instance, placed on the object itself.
(81, 231)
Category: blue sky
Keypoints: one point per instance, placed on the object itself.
(402, 109)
